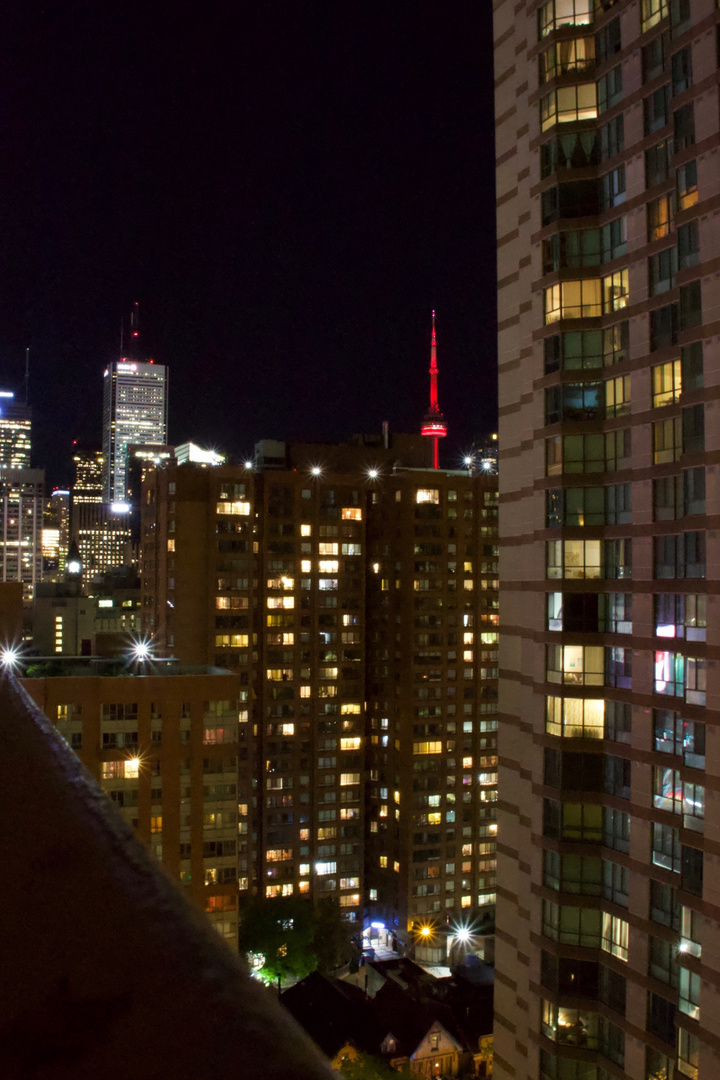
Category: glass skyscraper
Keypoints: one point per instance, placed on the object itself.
(134, 412)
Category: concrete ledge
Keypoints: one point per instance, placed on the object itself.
(105, 970)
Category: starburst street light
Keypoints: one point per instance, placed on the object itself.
(141, 649)
(9, 657)
(316, 470)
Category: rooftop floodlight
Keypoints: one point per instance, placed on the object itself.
(141, 650)
(316, 470)
(9, 657)
(373, 473)
(249, 464)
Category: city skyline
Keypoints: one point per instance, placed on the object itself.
(287, 224)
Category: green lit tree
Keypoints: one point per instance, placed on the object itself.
(283, 930)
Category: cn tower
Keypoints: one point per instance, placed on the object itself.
(433, 425)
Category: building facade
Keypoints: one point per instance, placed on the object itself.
(163, 747)
(607, 137)
(15, 431)
(432, 632)
(21, 520)
(365, 661)
(135, 397)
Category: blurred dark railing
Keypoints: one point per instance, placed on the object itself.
(105, 970)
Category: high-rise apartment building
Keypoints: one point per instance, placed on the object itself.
(163, 746)
(431, 654)
(134, 411)
(608, 918)
(15, 431)
(357, 602)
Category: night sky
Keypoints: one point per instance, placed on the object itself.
(287, 189)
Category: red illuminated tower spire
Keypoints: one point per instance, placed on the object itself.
(433, 424)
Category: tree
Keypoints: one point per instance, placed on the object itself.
(362, 1066)
(333, 935)
(283, 930)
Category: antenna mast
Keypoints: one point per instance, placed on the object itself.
(433, 425)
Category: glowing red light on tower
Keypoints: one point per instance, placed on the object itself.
(433, 425)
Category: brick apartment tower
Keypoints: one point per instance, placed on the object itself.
(357, 604)
(608, 935)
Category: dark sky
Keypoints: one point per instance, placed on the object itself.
(287, 189)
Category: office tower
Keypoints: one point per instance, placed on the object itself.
(607, 166)
(21, 517)
(15, 431)
(264, 572)
(55, 534)
(431, 654)
(163, 746)
(88, 486)
(134, 411)
(103, 537)
(100, 530)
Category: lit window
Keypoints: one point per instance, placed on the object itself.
(325, 548)
(427, 747)
(427, 495)
(568, 104)
(573, 300)
(348, 778)
(306, 530)
(171, 544)
(351, 513)
(353, 743)
(240, 508)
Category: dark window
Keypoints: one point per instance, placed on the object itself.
(679, 17)
(656, 109)
(612, 191)
(681, 70)
(657, 163)
(654, 57)
(612, 137)
(661, 271)
(617, 776)
(609, 89)
(690, 306)
(691, 359)
(693, 429)
(691, 874)
(667, 498)
(575, 150)
(607, 41)
(618, 721)
(664, 326)
(688, 245)
(684, 127)
(664, 907)
(612, 989)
